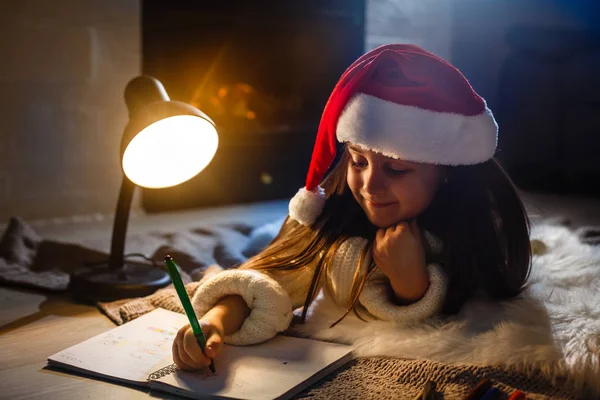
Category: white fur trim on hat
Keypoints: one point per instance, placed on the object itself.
(307, 205)
(415, 134)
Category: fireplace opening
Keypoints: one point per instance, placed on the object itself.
(263, 72)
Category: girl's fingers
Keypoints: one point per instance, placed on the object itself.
(177, 359)
(398, 229)
(182, 349)
(193, 351)
(177, 343)
(213, 345)
(185, 357)
(181, 333)
(414, 227)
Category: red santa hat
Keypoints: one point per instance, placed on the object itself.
(403, 102)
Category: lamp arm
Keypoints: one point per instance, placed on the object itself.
(117, 246)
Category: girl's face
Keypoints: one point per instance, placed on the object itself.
(390, 190)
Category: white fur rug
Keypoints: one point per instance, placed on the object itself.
(554, 328)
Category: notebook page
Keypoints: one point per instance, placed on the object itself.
(264, 371)
(128, 352)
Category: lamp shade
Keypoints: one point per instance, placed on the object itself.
(166, 142)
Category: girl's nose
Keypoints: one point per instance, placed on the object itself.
(374, 181)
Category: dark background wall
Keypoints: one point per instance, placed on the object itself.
(536, 63)
(479, 31)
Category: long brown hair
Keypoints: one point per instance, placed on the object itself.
(482, 222)
(477, 214)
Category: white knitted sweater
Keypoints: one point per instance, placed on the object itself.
(273, 296)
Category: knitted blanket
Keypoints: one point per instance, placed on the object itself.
(27, 259)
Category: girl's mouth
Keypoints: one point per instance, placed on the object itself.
(378, 205)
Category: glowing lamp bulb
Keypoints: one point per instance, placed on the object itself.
(170, 151)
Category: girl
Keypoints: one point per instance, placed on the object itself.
(415, 217)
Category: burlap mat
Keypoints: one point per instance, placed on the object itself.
(376, 378)
(122, 311)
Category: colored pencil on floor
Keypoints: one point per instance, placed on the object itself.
(517, 395)
(479, 389)
(428, 393)
(491, 394)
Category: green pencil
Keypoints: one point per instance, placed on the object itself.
(187, 305)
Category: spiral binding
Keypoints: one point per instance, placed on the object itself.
(168, 370)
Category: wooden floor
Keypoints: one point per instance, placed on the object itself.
(36, 325)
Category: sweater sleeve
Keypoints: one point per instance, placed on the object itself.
(375, 298)
(375, 295)
(270, 297)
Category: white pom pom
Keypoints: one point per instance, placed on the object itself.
(307, 205)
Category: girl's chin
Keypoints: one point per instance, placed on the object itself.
(383, 223)
(384, 217)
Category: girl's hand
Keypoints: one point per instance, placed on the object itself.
(187, 353)
(399, 254)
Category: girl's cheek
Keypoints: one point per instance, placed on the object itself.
(354, 181)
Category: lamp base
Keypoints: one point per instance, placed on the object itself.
(101, 283)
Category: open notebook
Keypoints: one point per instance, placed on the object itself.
(139, 353)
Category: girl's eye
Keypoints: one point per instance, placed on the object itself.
(358, 164)
(394, 171)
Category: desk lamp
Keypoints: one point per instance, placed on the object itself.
(165, 143)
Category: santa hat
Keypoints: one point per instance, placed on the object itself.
(403, 102)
